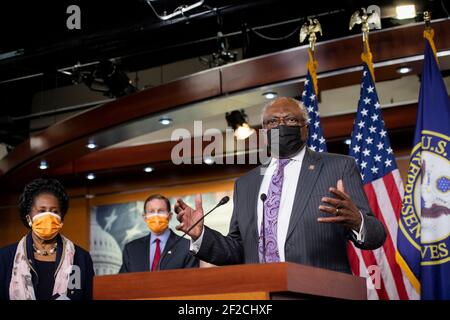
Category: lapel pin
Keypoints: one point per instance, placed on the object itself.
(311, 167)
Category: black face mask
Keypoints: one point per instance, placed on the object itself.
(289, 141)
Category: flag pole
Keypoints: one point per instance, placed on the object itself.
(428, 33)
(309, 30)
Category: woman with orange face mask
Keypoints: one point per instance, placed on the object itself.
(45, 265)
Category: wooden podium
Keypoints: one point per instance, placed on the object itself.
(240, 282)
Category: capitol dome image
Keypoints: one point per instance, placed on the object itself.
(105, 252)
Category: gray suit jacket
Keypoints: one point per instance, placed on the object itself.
(308, 242)
(136, 255)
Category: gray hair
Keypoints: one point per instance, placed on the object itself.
(289, 99)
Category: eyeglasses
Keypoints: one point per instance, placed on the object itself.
(290, 121)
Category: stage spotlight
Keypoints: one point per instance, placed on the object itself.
(238, 121)
(109, 79)
(208, 160)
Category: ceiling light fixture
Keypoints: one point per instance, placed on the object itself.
(165, 121)
(90, 176)
(270, 95)
(148, 169)
(91, 145)
(43, 165)
(404, 70)
(238, 120)
(405, 11)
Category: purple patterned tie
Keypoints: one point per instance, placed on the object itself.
(271, 207)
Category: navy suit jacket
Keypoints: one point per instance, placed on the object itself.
(82, 259)
(136, 255)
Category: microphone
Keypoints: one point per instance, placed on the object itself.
(263, 198)
(169, 250)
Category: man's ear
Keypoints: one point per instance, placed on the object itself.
(170, 216)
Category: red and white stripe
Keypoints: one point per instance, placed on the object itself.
(385, 199)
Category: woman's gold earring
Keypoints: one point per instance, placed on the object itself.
(29, 221)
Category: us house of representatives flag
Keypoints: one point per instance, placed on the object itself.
(424, 225)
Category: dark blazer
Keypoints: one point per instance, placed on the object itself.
(82, 259)
(308, 241)
(136, 255)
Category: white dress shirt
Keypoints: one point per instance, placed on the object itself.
(290, 181)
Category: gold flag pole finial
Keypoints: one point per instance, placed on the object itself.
(367, 20)
(309, 29)
(427, 19)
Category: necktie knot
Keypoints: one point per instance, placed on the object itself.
(283, 163)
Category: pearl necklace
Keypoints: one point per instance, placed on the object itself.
(45, 252)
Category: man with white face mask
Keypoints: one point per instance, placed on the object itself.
(155, 251)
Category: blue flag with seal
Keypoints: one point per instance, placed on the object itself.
(423, 241)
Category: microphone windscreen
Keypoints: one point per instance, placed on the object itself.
(224, 200)
(263, 197)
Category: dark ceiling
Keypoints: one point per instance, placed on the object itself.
(129, 31)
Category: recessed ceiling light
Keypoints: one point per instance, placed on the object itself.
(405, 11)
(404, 70)
(90, 176)
(148, 169)
(91, 145)
(165, 121)
(43, 165)
(270, 95)
(208, 160)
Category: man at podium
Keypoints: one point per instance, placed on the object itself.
(301, 206)
(161, 249)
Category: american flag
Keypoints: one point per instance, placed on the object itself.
(316, 141)
(373, 154)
